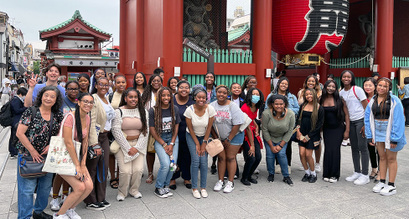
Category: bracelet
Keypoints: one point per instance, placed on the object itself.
(307, 138)
(205, 141)
(227, 139)
(164, 144)
(280, 146)
(171, 143)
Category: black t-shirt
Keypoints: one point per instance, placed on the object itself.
(182, 125)
(166, 119)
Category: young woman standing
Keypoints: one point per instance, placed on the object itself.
(130, 129)
(149, 101)
(229, 117)
(310, 121)
(101, 118)
(210, 86)
(385, 129)
(334, 131)
(84, 82)
(163, 125)
(356, 102)
(182, 100)
(252, 141)
(199, 120)
(370, 90)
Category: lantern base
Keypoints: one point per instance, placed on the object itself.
(303, 59)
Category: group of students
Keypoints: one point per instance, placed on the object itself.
(175, 123)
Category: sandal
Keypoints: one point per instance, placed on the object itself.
(150, 178)
(373, 174)
(114, 183)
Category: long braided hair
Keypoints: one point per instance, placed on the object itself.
(140, 107)
(158, 111)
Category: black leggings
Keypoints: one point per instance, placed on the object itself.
(405, 103)
(251, 162)
(373, 156)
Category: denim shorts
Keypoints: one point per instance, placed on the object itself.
(238, 139)
(380, 130)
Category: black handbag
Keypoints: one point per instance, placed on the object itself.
(27, 167)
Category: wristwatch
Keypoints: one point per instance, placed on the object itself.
(171, 143)
(227, 139)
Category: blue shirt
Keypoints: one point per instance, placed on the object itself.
(38, 88)
(405, 90)
(67, 106)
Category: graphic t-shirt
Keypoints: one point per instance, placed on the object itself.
(166, 119)
(226, 117)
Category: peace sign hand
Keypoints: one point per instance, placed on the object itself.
(32, 81)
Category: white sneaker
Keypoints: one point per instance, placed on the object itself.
(362, 180)
(120, 197)
(196, 194)
(353, 177)
(55, 204)
(218, 186)
(229, 187)
(378, 187)
(204, 193)
(62, 216)
(168, 192)
(333, 180)
(388, 190)
(138, 195)
(257, 171)
(326, 179)
(317, 167)
(278, 169)
(72, 214)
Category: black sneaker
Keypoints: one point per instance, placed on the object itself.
(306, 178)
(252, 180)
(288, 180)
(213, 169)
(41, 215)
(245, 182)
(98, 206)
(270, 178)
(312, 179)
(160, 192)
(105, 203)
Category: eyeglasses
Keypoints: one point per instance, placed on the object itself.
(103, 85)
(88, 102)
(156, 81)
(185, 88)
(72, 89)
(251, 82)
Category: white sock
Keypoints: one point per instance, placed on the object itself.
(307, 171)
(313, 173)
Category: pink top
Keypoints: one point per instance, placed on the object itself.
(69, 122)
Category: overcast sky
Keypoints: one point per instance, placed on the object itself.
(33, 15)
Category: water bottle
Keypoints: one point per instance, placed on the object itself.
(172, 163)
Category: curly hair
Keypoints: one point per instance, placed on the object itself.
(58, 102)
(317, 86)
(140, 107)
(278, 85)
(147, 93)
(314, 115)
(158, 111)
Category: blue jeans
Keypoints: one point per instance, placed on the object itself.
(164, 173)
(198, 162)
(281, 157)
(26, 188)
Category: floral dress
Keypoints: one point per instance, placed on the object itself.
(38, 130)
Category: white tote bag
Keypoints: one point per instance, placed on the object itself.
(58, 159)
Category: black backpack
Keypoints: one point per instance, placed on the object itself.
(6, 116)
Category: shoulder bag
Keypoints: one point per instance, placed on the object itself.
(59, 160)
(214, 145)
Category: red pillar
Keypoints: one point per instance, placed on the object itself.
(322, 70)
(172, 36)
(384, 36)
(262, 32)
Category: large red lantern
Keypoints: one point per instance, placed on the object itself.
(309, 26)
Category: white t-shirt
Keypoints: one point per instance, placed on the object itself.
(110, 114)
(355, 109)
(199, 122)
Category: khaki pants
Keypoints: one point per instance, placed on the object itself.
(130, 174)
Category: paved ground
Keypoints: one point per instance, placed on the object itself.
(264, 200)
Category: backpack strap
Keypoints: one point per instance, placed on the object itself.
(353, 89)
(111, 96)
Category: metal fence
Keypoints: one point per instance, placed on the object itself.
(220, 56)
